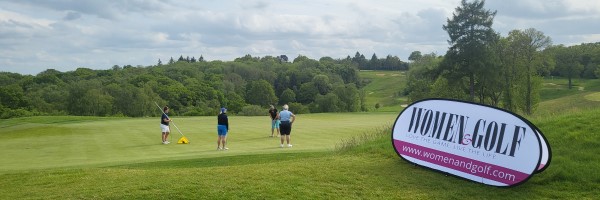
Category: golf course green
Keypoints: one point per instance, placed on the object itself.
(52, 142)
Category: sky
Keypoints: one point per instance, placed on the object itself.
(64, 35)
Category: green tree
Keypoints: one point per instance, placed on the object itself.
(12, 96)
(97, 103)
(414, 56)
(349, 97)
(321, 83)
(261, 93)
(421, 75)
(374, 63)
(326, 103)
(531, 43)
(287, 96)
(307, 93)
(567, 63)
(470, 31)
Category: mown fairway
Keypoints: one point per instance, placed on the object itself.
(50, 142)
(383, 88)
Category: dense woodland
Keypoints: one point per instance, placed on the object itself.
(190, 87)
(480, 66)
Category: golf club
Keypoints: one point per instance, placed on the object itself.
(161, 110)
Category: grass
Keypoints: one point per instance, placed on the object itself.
(55, 142)
(335, 156)
(369, 170)
(383, 89)
(554, 88)
(558, 99)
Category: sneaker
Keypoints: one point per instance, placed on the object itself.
(218, 148)
(167, 142)
(281, 146)
(225, 148)
(289, 146)
(164, 142)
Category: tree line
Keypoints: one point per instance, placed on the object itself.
(189, 86)
(503, 71)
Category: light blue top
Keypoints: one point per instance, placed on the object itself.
(285, 115)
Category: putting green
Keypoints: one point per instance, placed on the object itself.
(593, 97)
(39, 143)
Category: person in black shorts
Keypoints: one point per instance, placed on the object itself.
(287, 119)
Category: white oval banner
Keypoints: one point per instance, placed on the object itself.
(472, 141)
(546, 152)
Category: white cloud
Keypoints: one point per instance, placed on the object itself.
(66, 34)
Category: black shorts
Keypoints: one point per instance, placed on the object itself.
(285, 127)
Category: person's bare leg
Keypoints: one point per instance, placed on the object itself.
(219, 142)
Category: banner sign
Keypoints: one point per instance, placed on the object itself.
(546, 152)
(476, 142)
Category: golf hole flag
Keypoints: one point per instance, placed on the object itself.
(183, 140)
(473, 141)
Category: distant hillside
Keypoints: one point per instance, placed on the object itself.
(558, 99)
(384, 87)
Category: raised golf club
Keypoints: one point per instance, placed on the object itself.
(183, 139)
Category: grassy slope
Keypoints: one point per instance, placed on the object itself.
(382, 89)
(558, 100)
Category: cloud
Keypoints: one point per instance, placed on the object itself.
(567, 22)
(72, 16)
(65, 34)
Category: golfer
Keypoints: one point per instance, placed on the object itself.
(274, 120)
(222, 129)
(164, 125)
(287, 119)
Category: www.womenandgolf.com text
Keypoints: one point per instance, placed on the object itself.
(498, 173)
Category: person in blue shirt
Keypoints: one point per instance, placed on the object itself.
(222, 129)
(164, 125)
(287, 118)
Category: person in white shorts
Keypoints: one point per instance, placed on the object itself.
(164, 125)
